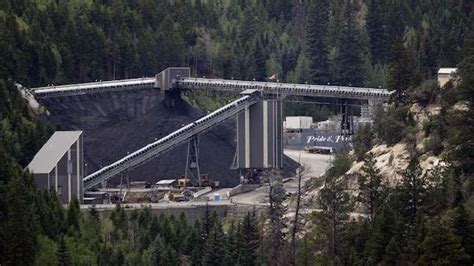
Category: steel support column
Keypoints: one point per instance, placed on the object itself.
(192, 162)
(347, 122)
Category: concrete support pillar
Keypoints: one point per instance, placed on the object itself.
(259, 136)
(368, 110)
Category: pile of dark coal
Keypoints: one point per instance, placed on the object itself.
(121, 122)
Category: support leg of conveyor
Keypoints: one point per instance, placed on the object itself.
(192, 162)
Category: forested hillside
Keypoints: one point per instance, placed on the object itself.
(395, 44)
(341, 42)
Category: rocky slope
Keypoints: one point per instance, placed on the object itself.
(392, 160)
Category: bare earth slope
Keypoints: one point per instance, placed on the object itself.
(117, 123)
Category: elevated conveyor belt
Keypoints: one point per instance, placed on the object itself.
(187, 83)
(170, 141)
(284, 89)
(94, 87)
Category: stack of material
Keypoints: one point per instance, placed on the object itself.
(122, 122)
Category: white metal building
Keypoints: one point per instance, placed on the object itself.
(59, 165)
(298, 122)
(445, 74)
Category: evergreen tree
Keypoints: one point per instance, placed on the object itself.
(248, 234)
(442, 247)
(335, 204)
(91, 230)
(73, 215)
(377, 30)
(363, 141)
(195, 244)
(393, 251)
(348, 61)
(120, 221)
(413, 191)
(370, 186)
(208, 221)
(214, 251)
(277, 222)
(383, 233)
(461, 123)
(19, 229)
(464, 228)
(258, 58)
(47, 251)
(305, 252)
(231, 245)
(170, 256)
(64, 257)
(158, 252)
(400, 73)
(317, 47)
(181, 232)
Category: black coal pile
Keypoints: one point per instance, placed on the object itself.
(121, 122)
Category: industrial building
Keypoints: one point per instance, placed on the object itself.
(445, 75)
(59, 165)
(298, 122)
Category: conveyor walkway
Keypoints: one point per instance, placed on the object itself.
(94, 87)
(170, 141)
(283, 89)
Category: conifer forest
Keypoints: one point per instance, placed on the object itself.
(424, 218)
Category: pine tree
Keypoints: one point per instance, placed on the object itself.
(231, 245)
(349, 64)
(248, 233)
(120, 221)
(47, 251)
(214, 251)
(400, 73)
(413, 191)
(392, 251)
(208, 221)
(158, 252)
(154, 228)
(259, 59)
(377, 30)
(441, 247)
(363, 141)
(169, 256)
(73, 216)
(195, 244)
(461, 123)
(277, 222)
(305, 251)
(19, 229)
(64, 257)
(370, 186)
(317, 47)
(383, 231)
(464, 228)
(335, 204)
(181, 232)
(91, 230)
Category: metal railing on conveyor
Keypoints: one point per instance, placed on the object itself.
(170, 141)
(93, 87)
(278, 88)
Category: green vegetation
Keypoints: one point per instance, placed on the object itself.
(425, 219)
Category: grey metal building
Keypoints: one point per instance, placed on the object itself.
(59, 164)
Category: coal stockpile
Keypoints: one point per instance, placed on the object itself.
(118, 123)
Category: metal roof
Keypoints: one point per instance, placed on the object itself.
(166, 182)
(446, 70)
(51, 152)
